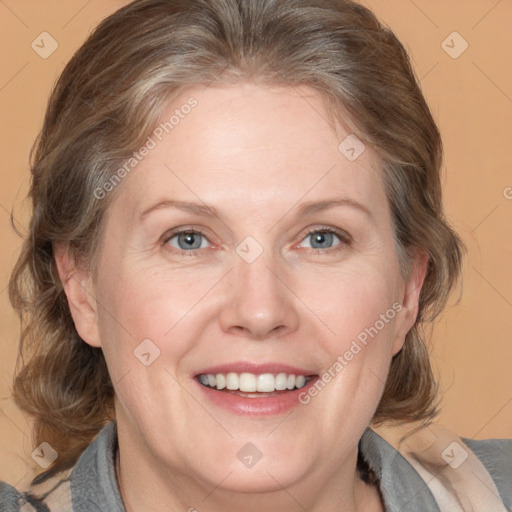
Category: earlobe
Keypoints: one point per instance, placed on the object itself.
(410, 301)
(78, 287)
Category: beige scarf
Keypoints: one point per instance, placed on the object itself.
(453, 473)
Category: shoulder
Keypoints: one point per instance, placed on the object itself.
(52, 496)
(55, 499)
(400, 485)
(431, 468)
(496, 456)
(10, 498)
(90, 486)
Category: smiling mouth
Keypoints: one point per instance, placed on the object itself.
(251, 385)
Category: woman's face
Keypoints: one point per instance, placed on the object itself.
(287, 266)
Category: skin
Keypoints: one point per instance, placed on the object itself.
(256, 153)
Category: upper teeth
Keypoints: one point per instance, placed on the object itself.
(250, 382)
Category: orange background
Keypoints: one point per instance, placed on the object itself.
(471, 99)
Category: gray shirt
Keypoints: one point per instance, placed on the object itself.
(91, 486)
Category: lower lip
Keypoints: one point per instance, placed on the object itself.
(258, 406)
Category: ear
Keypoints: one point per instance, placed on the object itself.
(79, 290)
(411, 295)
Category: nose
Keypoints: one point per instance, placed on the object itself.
(259, 304)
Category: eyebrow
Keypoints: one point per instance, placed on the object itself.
(205, 210)
(311, 207)
(202, 210)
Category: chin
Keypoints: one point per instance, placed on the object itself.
(257, 471)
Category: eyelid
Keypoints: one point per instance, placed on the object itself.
(344, 237)
(168, 235)
(183, 229)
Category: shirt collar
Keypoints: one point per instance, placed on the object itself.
(401, 486)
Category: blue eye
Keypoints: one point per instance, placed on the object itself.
(320, 240)
(323, 239)
(188, 240)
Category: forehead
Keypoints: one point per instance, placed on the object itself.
(252, 148)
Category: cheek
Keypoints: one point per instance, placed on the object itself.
(363, 315)
(150, 304)
(350, 299)
(360, 310)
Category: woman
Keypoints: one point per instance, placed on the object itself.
(237, 235)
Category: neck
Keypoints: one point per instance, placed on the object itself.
(144, 486)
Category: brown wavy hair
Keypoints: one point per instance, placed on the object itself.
(111, 95)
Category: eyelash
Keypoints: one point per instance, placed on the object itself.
(344, 237)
